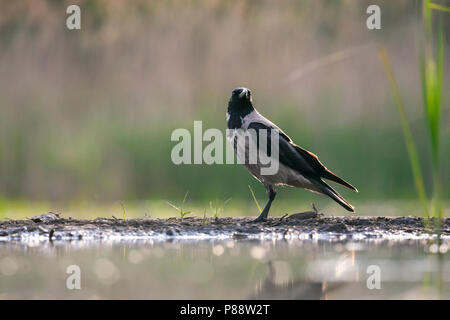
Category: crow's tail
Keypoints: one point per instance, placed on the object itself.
(327, 174)
(329, 191)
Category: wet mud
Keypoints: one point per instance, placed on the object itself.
(310, 225)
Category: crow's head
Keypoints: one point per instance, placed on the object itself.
(241, 100)
(241, 94)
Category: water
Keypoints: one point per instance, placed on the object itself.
(227, 269)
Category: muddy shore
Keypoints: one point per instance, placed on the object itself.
(53, 227)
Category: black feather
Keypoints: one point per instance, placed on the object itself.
(307, 164)
(333, 194)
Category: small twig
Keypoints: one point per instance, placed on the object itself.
(279, 220)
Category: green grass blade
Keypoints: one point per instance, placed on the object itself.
(409, 141)
(427, 16)
(438, 7)
(440, 72)
(123, 213)
(184, 199)
(254, 199)
(431, 75)
(173, 206)
(432, 107)
(226, 201)
(439, 76)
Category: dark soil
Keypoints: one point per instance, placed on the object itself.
(309, 225)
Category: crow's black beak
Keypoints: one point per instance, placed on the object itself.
(243, 92)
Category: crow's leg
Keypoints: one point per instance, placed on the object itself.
(271, 193)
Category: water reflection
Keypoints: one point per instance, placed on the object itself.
(279, 285)
(231, 269)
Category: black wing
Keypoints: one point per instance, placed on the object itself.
(297, 158)
(288, 155)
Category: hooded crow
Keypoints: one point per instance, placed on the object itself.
(297, 166)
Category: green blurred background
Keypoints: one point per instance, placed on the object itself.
(86, 116)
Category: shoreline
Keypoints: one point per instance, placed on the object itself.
(302, 226)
